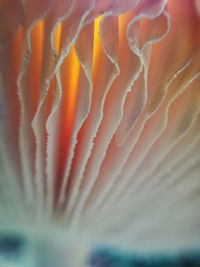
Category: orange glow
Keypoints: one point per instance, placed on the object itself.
(17, 48)
(123, 21)
(122, 24)
(70, 77)
(57, 35)
(73, 73)
(36, 55)
(37, 42)
(97, 39)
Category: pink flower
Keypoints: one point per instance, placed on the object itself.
(100, 121)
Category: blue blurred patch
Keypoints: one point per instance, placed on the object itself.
(106, 257)
(11, 244)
